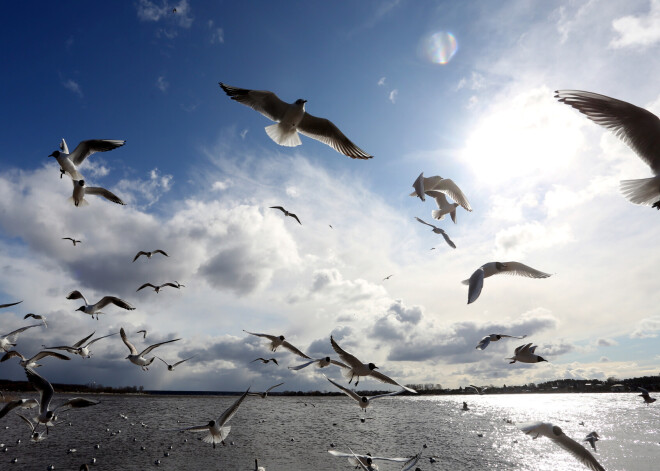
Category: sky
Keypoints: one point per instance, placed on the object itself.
(463, 90)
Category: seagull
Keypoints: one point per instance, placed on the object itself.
(636, 127)
(138, 358)
(367, 461)
(34, 435)
(388, 277)
(171, 367)
(476, 281)
(143, 332)
(356, 369)
(149, 254)
(80, 190)
(363, 401)
(32, 362)
(443, 185)
(95, 309)
(81, 347)
(265, 360)
(525, 354)
(535, 429)
(38, 317)
(479, 391)
(437, 230)
(22, 403)
(279, 341)
(2, 306)
(263, 395)
(69, 162)
(592, 438)
(444, 206)
(9, 340)
(287, 213)
(217, 430)
(46, 415)
(484, 342)
(159, 287)
(75, 241)
(320, 363)
(645, 394)
(292, 119)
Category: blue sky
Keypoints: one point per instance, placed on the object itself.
(198, 173)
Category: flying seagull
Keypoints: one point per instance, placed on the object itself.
(292, 119)
(422, 185)
(363, 401)
(95, 309)
(34, 435)
(320, 363)
(2, 306)
(138, 358)
(536, 429)
(356, 369)
(69, 162)
(437, 230)
(75, 241)
(388, 277)
(638, 128)
(32, 362)
(159, 287)
(277, 341)
(9, 340)
(38, 317)
(171, 367)
(263, 395)
(265, 360)
(476, 281)
(367, 461)
(22, 403)
(645, 394)
(80, 190)
(444, 206)
(592, 438)
(525, 354)
(149, 254)
(287, 213)
(81, 347)
(484, 342)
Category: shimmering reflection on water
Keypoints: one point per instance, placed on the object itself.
(285, 434)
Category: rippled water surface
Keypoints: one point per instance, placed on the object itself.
(289, 433)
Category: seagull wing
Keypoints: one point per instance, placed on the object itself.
(386, 379)
(77, 295)
(77, 403)
(280, 208)
(91, 146)
(296, 368)
(483, 343)
(170, 284)
(295, 217)
(10, 304)
(424, 222)
(522, 348)
(14, 404)
(272, 338)
(339, 364)
(138, 254)
(13, 353)
(43, 386)
(476, 283)
(346, 391)
(325, 131)
(517, 268)
(179, 362)
(126, 341)
(273, 387)
(99, 338)
(344, 355)
(161, 251)
(229, 413)
(448, 240)
(27, 421)
(44, 353)
(512, 336)
(82, 341)
(107, 194)
(114, 300)
(168, 365)
(144, 286)
(394, 393)
(263, 101)
(151, 347)
(11, 336)
(293, 349)
(63, 147)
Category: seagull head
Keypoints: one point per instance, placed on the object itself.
(364, 400)
(301, 102)
(372, 366)
(211, 423)
(327, 359)
(557, 431)
(281, 337)
(81, 182)
(55, 154)
(81, 308)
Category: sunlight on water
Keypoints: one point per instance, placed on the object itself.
(439, 47)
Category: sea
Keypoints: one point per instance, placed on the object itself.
(138, 432)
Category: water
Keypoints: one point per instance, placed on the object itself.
(285, 434)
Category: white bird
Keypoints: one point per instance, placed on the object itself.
(149, 254)
(422, 185)
(484, 342)
(320, 363)
(157, 288)
(356, 369)
(535, 429)
(479, 391)
(287, 213)
(525, 354)
(363, 401)
(81, 347)
(32, 362)
(80, 190)
(138, 358)
(8, 341)
(2, 306)
(47, 416)
(217, 430)
(437, 230)
(38, 317)
(277, 341)
(95, 309)
(476, 281)
(645, 394)
(69, 162)
(171, 367)
(444, 206)
(22, 403)
(34, 435)
(263, 395)
(292, 119)
(592, 438)
(638, 128)
(75, 241)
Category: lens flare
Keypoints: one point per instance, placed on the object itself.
(439, 47)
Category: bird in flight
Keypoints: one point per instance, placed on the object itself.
(476, 281)
(437, 230)
(265, 360)
(72, 240)
(138, 358)
(484, 342)
(95, 309)
(525, 354)
(38, 317)
(388, 277)
(69, 162)
(157, 289)
(171, 367)
(2, 306)
(645, 394)
(149, 254)
(287, 213)
(277, 341)
(80, 190)
(291, 119)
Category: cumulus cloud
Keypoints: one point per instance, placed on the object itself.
(145, 192)
(605, 342)
(647, 328)
(638, 31)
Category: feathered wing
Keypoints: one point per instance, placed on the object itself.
(348, 392)
(114, 300)
(82, 341)
(77, 403)
(483, 343)
(293, 349)
(424, 222)
(231, 411)
(75, 294)
(127, 342)
(2, 306)
(298, 367)
(91, 146)
(386, 379)
(45, 353)
(139, 254)
(45, 389)
(263, 101)
(351, 361)
(63, 147)
(418, 185)
(273, 387)
(11, 336)
(476, 284)
(107, 194)
(151, 347)
(520, 269)
(448, 240)
(325, 131)
(23, 403)
(451, 189)
(99, 338)
(179, 362)
(144, 286)
(272, 338)
(161, 251)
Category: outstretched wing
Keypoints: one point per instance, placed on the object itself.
(126, 341)
(107, 194)
(293, 349)
(77, 295)
(91, 146)
(2, 306)
(151, 347)
(114, 300)
(386, 379)
(476, 284)
(229, 413)
(263, 101)
(325, 131)
(272, 338)
(99, 338)
(520, 269)
(352, 361)
(348, 392)
(139, 254)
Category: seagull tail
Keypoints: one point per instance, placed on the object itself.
(436, 214)
(73, 202)
(643, 191)
(284, 135)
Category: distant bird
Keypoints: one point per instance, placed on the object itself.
(265, 360)
(95, 309)
(159, 287)
(287, 213)
(476, 281)
(263, 395)
(149, 254)
(32, 362)
(320, 363)
(138, 358)
(80, 190)
(22, 403)
(388, 277)
(465, 406)
(484, 342)
(476, 389)
(217, 430)
(2, 306)
(363, 401)
(144, 332)
(47, 416)
(81, 347)
(174, 365)
(276, 341)
(75, 241)
(525, 354)
(638, 128)
(422, 185)
(535, 429)
(8, 341)
(292, 119)
(356, 368)
(69, 162)
(38, 317)
(592, 438)
(444, 206)
(645, 394)
(437, 230)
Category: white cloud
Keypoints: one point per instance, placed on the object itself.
(72, 86)
(647, 328)
(154, 11)
(517, 241)
(221, 185)
(381, 81)
(393, 95)
(217, 34)
(638, 31)
(162, 84)
(144, 192)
